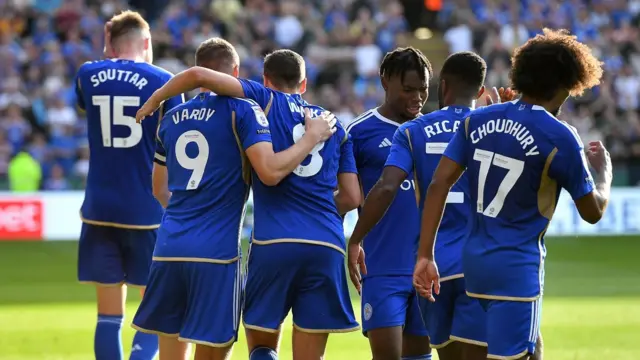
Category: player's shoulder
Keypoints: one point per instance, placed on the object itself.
(90, 66)
(240, 103)
(359, 122)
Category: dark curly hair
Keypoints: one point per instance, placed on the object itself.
(551, 62)
(401, 60)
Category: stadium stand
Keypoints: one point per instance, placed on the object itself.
(43, 42)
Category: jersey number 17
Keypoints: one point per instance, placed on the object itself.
(514, 169)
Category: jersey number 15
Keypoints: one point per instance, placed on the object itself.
(514, 169)
(107, 118)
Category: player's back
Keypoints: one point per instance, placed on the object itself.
(518, 155)
(119, 191)
(428, 137)
(391, 245)
(301, 208)
(200, 142)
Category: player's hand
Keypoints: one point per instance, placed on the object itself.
(357, 267)
(426, 278)
(506, 94)
(108, 49)
(147, 109)
(320, 127)
(599, 158)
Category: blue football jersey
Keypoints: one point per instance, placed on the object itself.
(391, 245)
(301, 208)
(202, 144)
(517, 156)
(418, 147)
(119, 191)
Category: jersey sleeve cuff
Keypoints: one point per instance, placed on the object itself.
(348, 171)
(453, 159)
(399, 166)
(160, 159)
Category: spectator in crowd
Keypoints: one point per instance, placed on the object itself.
(43, 42)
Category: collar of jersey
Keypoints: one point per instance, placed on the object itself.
(377, 114)
(533, 107)
(454, 107)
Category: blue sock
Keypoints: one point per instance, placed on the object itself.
(263, 353)
(107, 343)
(419, 357)
(144, 347)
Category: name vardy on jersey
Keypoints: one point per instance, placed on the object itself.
(194, 114)
(507, 126)
(119, 75)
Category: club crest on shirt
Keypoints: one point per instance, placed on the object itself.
(368, 311)
(261, 118)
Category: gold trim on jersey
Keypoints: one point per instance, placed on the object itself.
(512, 357)
(466, 126)
(160, 157)
(468, 341)
(154, 332)
(440, 346)
(196, 259)
(325, 331)
(268, 107)
(82, 111)
(118, 225)
(260, 328)
(416, 183)
(102, 284)
(452, 277)
(298, 241)
(158, 132)
(200, 342)
(246, 164)
(503, 298)
(548, 189)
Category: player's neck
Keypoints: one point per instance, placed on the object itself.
(468, 103)
(131, 56)
(386, 110)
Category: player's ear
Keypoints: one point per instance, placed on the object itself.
(303, 86)
(481, 91)
(147, 43)
(236, 71)
(266, 82)
(385, 83)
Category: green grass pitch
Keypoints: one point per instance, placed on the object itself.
(591, 304)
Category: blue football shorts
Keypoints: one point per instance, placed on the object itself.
(110, 255)
(197, 302)
(389, 301)
(309, 280)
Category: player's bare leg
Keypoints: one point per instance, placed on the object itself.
(472, 352)
(414, 346)
(308, 346)
(261, 339)
(111, 299)
(452, 351)
(173, 349)
(539, 353)
(386, 343)
(204, 352)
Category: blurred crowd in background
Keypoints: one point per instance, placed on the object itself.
(42, 43)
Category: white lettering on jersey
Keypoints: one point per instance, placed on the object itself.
(119, 75)
(441, 127)
(507, 126)
(195, 114)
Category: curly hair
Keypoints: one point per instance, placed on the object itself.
(551, 62)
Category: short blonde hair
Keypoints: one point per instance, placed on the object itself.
(126, 22)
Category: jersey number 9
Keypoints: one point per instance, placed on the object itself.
(117, 118)
(316, 162)
(195, 164)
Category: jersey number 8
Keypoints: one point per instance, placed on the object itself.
(117, 118)
(314, 166)
(196, 164)
(514, 169)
